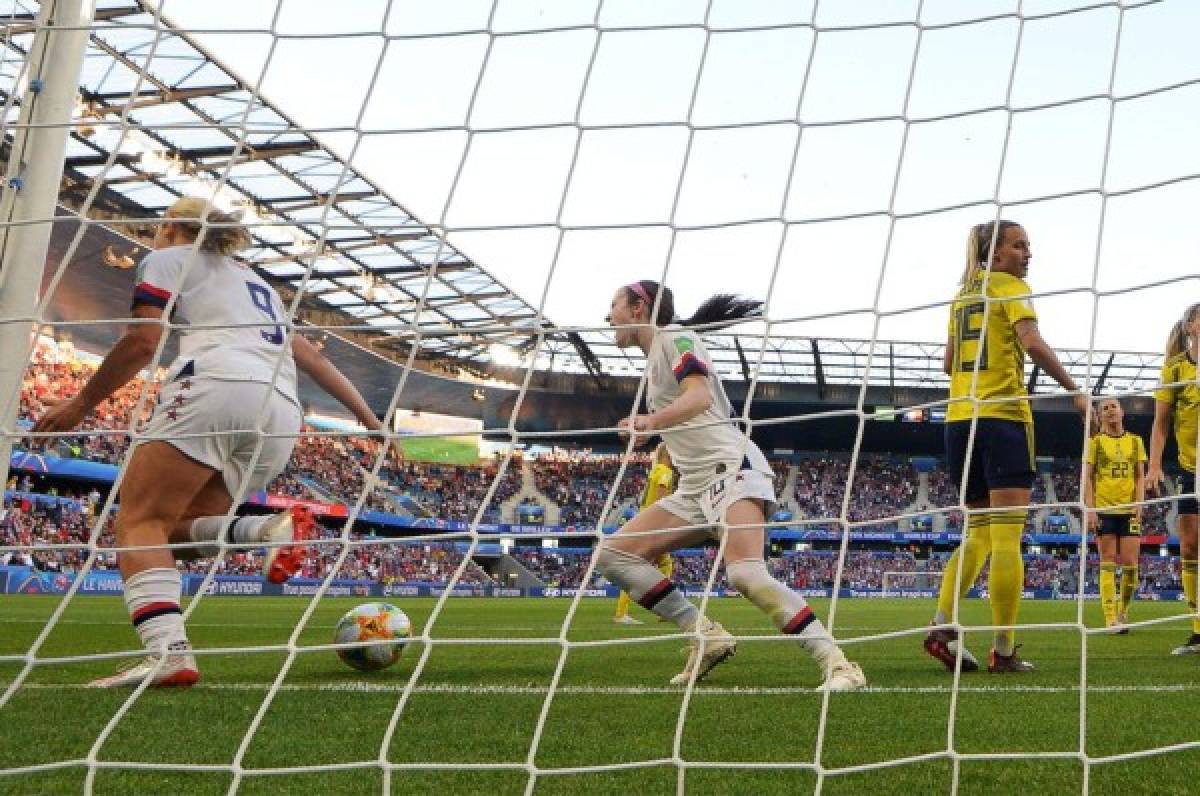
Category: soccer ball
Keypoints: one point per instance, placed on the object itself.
(370, 622)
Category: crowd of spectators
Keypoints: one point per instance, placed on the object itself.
(555, 568)
(579, 482)
(390, 562)
(30, 523)
(335, 468)
(883, 487)
(862, 570)
(35, 522)
(455, 492)
(51, 380)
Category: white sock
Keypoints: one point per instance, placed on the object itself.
(787, 610)
(647, 586)
(152, 597)
(245, 530)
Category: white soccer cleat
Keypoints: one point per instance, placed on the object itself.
(719, 646)
(844, 676)
(177, 671)
(296, 524)
(626, 620)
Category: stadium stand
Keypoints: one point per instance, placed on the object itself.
(38, 510)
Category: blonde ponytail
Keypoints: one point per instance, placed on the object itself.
(980, 245)
(224, 233)
(1177, 340)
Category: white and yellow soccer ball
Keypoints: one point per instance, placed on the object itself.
(382, 622)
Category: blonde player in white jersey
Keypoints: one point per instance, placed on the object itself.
(723, 477)
(231, 371)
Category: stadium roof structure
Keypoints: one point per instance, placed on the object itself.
(159, 117)
(193, 127)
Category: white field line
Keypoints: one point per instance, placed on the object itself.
(125, 623)
(484, 689)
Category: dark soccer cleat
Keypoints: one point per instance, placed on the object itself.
(1192, 647)
(1008, 664)
(942, 644)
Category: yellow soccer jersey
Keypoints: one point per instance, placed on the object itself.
(1184, 399)
(1114, 462)
(659, 484)
(1002, 360)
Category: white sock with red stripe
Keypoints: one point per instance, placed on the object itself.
(152, 597)
(788, 610)
(245, 530)
(647, 586)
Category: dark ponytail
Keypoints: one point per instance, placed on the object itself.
(723, 309)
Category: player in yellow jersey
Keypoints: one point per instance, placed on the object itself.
(659, 483)
(1114, 485)
(1177, 401)
(989, 435)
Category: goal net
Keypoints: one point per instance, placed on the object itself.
(446, 196)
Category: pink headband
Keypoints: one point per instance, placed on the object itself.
(636, 287)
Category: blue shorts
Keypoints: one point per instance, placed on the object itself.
(1001, 458)
(1187, 487)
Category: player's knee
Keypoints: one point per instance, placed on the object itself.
(745, 574)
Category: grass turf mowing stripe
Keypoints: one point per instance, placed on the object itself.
(600, 690)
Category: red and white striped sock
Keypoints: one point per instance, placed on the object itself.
(152, 597)
(787, 610)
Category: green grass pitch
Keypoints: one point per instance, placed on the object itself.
(477, 703)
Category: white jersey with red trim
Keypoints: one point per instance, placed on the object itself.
(240, 339)
(710, 443)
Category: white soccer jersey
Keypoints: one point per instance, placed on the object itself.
(223, 295)
(698, 450)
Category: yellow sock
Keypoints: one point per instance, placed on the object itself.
(1108, 591)
(1189, 589)
(1007, 577)
(622, 605)
(1129, 583)
(973, 552)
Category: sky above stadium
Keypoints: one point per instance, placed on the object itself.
(851, 210)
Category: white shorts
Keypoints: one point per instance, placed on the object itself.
(226, 413)
(708, 506)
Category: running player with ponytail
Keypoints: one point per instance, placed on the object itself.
(723, 478)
